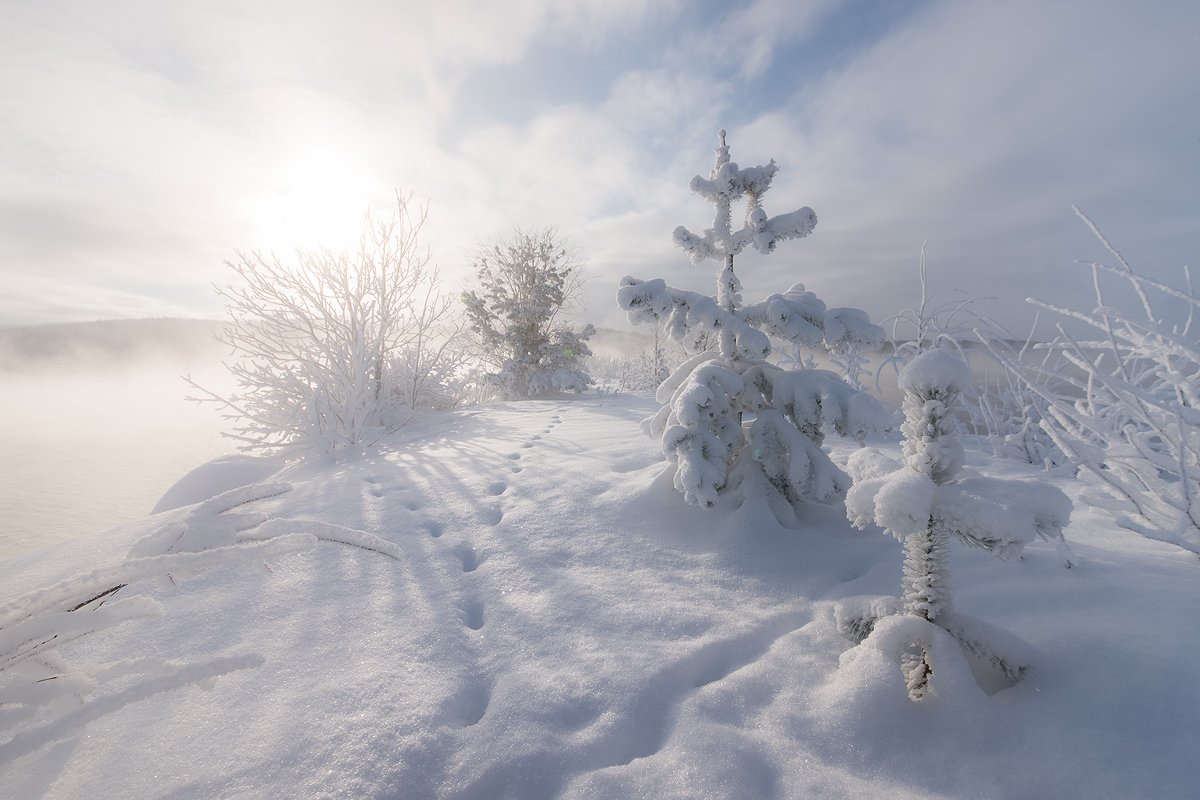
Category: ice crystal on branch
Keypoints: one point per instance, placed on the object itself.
(728, 414)
(1124, 407)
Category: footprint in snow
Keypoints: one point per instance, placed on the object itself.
(471, 703)
(472, 611)
(434, 528)
(491, 516)
(497, 488)
(467, 557)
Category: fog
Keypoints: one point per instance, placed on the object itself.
(95, 425)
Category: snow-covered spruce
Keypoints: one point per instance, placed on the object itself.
(728, 413)
(925, 501)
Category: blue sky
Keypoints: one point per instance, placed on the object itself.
(141, 142)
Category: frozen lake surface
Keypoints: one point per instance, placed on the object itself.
(85, 451)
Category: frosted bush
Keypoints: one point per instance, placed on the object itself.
(317, 340)
(1126, 411)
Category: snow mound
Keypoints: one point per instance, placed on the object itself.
(215, 477)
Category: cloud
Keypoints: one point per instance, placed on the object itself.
(977, 126)
(144, 139)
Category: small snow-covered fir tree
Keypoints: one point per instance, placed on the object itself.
(525, 281)
(926, 501)
(728, 414)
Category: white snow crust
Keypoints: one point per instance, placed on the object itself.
(513, 602)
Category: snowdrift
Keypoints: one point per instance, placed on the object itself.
(540, 615)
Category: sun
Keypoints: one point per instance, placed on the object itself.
(317, 200)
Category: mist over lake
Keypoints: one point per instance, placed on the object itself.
(95, 425)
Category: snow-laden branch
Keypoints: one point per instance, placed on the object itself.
(726, 184)
(1129, 416)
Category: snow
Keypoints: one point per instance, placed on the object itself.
(513, 601)
(214, 477)
(933, 370)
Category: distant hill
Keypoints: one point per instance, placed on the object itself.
(109, 343)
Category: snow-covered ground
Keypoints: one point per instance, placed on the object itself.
(546, 618)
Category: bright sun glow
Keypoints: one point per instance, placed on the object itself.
(317, 200)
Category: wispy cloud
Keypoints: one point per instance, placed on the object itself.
(142, 142)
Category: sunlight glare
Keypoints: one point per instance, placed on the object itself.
(317, 201)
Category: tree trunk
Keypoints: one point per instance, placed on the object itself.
(926, 581)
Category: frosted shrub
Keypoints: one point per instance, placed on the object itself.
(635, 372)
(317, 340)
(1011, 416)
(525, 282)
(1127, 411)
(728, 414)
(925, 502)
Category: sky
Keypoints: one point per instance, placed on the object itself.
(142, 143)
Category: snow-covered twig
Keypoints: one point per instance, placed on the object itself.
(1130, 416)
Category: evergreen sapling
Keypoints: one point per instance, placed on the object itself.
(925, 502)
(730, 416)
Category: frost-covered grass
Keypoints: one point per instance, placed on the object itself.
(551, 620)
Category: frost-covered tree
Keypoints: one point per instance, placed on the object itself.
(525, 283)
(926, 501)
(997, 408)
(317, 339)
(728, 413)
